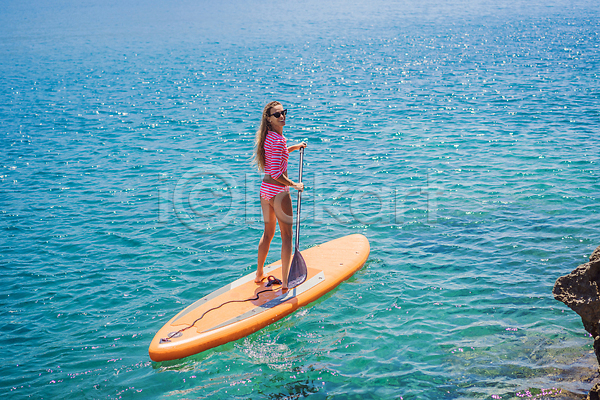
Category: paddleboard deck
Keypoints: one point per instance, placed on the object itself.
(226, 314)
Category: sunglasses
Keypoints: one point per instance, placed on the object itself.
(278, 113)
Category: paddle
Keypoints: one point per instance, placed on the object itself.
(297, 274)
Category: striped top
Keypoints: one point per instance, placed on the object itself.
(276, 154)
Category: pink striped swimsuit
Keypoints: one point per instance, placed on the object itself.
(276, 160)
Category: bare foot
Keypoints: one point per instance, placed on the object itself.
(259, 278)
(284, 290)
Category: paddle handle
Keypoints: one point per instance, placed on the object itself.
(299, 198)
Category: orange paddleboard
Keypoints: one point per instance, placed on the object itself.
(198, 328)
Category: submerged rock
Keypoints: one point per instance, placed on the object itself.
(580, 290)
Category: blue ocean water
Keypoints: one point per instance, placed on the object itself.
(459, 136)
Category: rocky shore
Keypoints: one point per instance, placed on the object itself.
(580, 290)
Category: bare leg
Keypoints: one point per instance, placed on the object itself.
(283, 210)
(265, 240)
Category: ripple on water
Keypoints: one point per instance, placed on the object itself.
(462, 145)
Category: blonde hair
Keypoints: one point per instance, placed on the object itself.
(261, 134)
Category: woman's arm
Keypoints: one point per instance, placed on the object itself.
(284, 180)
(296, 147)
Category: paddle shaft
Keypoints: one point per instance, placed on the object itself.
(299, 199)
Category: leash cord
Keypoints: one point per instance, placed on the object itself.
(173, 334)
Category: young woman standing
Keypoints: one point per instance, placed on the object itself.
(271, 156)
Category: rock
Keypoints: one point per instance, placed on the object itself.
(580, 290)
(595, 255)
(594, 393)
(597, 348)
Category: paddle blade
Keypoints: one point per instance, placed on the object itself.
(298, 271)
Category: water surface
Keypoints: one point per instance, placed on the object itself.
(460, 137)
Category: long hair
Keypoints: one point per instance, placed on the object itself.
(261, 134)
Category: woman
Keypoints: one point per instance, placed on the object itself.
(271, 156)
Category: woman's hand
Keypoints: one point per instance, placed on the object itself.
(297, 147)
(299, 186)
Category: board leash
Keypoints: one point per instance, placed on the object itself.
(271, 281)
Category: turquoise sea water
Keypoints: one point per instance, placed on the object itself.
(460, 137)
